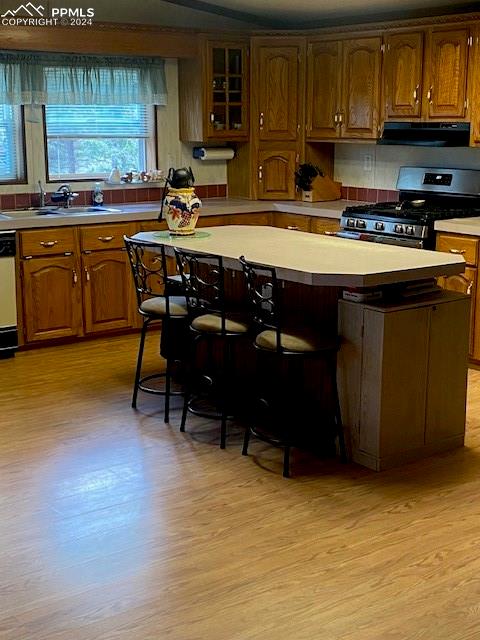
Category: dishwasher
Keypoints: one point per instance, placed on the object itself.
(8, 301)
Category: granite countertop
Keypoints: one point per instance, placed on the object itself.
(464, 226)
(27, 219)
(316, 259)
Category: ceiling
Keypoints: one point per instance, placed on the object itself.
(258, 14)
(316, 13)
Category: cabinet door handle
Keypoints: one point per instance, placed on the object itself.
(75, 277)
(458, 251)
(293, 227)
(49, 243)
(260, 173)
(212, 117)
(260, 120)
(106, 238)
(335, 118)
(469, 287)
(429, 95)
(415, 93)
(87, 275)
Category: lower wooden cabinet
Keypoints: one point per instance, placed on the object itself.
(52, 298)
(67, 292)
(465, 282)
(322, 225)
(292, 221)
(107, 291)
(77, 281)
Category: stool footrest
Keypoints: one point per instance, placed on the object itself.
(159, 392)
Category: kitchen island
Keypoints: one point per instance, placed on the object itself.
(398, 357)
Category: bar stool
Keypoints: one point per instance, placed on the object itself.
(203, 278)
(155, 301)
(290, 345)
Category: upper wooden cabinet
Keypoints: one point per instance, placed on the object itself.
(214, 92)
(323, 89)
(474, 85)
(277, 87)
(403, 71)
(446, 73)
(343, 88)
(425, 74)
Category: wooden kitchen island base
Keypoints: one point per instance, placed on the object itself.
(403, 378)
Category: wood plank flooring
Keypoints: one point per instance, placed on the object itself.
(115, 526)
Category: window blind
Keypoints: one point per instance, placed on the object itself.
(11, 149)
(85, 121)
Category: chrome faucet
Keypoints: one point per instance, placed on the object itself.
(64, 194)
(42, 194)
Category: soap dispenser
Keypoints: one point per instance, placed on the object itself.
(97, 195)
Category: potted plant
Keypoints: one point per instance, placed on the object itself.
(304, 178)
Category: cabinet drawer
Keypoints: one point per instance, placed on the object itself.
(320, 225)
(212, 221)
(44, 242)
(463, 245)
(153, 225)
(108, 236)
(292, 221)
(258, 219)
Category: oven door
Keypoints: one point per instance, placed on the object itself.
(412, 243)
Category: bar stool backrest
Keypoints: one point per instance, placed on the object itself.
(263, 297)
(203, 280)
(149, 268)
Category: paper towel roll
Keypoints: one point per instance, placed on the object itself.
(213, 153)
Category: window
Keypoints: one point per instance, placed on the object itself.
(12, 166)
(87, 141)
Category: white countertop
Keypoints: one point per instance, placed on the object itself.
(465, 226)
(27, 219)
(316, 259)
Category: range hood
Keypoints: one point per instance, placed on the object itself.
(426, 134)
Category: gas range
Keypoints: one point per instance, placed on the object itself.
(426, 195)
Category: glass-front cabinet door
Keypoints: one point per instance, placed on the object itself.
(227, 91)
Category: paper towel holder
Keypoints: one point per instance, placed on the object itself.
(213, 154)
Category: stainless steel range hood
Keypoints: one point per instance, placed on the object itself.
(426, 134)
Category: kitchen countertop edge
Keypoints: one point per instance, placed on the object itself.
(143, 212)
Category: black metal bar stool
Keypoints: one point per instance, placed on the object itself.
(290, 345)
(156, 301)
(203, 278)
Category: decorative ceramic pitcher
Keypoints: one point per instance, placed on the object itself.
(182, 204)
(182, 208)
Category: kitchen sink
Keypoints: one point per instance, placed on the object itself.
(55, 211)
(63, 211)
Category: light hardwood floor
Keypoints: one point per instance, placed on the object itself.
(114, 526)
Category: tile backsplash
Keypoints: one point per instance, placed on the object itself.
(369, 195)
(128, 195)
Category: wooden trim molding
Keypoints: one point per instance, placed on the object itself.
(103, 38)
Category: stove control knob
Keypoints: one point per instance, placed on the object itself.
(361, 224)
(409, 230)
(350, 222)
(398, 228)
(379, 226)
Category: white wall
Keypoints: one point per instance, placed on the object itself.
(173, 153)
(376, 166)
